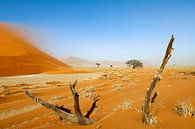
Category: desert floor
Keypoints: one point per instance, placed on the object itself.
(121, 93)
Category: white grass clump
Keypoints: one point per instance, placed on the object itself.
(117, 87)
(184, 109)
(87, 89)
(88, 92)
(126, 104)
(152, 120)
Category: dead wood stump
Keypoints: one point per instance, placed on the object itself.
(64, 113)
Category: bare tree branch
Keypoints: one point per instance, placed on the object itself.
(156, 79)
(154, 97)
(60, 112)
(93, 106)
(76, 99)
(65, 113)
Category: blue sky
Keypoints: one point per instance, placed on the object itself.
(108, 29)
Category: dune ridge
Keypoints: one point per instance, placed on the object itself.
(19, 57)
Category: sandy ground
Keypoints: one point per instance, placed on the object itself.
(44, 78)
(113, 89)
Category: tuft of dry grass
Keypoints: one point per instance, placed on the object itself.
(125, 78)
(87, 89)
(5, 90)
(117, 87)
(88, 92)
(55, 98)
(126, 104)
(152, 120)
(184, 109)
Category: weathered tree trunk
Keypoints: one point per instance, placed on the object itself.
(64, 113)
(156, 79)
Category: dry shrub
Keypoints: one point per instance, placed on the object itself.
(117, 87)
(55, 98)
(184, 109)
(126, 104)
(88, 92)
(184, 75)
(5, 90)
(125, 78)
(152, 120)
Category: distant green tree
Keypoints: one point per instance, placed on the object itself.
(134, 63)
(98, 65)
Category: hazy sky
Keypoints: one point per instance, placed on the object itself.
(108, 29)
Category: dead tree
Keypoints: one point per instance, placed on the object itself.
(64, 113)
(148, 98)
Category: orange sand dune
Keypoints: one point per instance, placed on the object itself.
(18, 56)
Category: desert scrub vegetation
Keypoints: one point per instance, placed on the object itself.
(55, 98)
(151, 120)
(88, 92)
(5, 90)
(117, 87)
(125, 78)
(126, 104)
(183, 75)
(184, 109)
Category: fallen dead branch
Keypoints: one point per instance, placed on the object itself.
(148, 98)
(64, 113)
